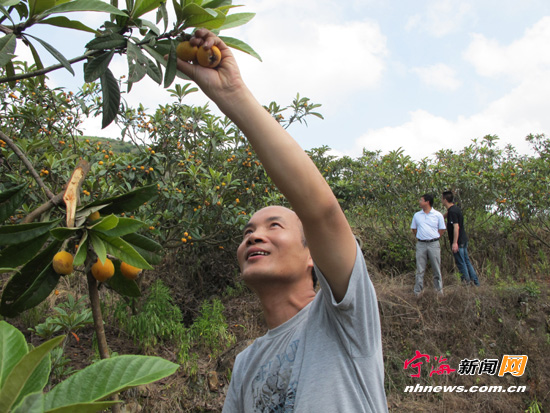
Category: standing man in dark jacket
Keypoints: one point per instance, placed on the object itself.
(458, 239)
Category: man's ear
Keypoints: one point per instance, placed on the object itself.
(309, 262)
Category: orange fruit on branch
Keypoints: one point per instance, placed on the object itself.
(94, 216)
(103, 271)
(185, 51)
(129, 271)
(63, 263)
(209, 58)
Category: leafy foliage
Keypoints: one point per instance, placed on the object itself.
(124, 32)
(25, 373)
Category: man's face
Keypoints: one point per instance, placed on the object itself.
(444, 202)
(273, 247)
(422, 202)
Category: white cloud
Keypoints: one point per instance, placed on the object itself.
(518, 111)
(305, 50)
(440, 76)
(522, 111)
(518, 60)
(441, 17)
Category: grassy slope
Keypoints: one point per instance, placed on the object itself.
(474, 323)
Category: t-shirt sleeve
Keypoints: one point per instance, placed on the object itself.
(355, 318)
(452, 216)
(413, 222)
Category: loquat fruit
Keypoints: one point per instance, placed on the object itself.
(209, 58)
(63, 263)
(129, 271)
(103, 271)
(185, 51)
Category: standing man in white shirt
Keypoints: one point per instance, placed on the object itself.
(427, 226)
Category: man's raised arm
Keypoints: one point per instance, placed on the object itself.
(328, 234)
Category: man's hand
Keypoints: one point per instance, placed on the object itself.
(454, 247)
(222, 84)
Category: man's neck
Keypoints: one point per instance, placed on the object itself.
(281, 303)
(427, 209)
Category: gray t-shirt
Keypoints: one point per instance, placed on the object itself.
(327, 358)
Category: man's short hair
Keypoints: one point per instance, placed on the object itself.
(428, 198)
(448, 196)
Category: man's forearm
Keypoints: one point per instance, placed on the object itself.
(456, 233)
(285, 161)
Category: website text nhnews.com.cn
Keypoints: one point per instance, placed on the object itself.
(465, 389)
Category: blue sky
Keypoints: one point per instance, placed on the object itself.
(422, 75)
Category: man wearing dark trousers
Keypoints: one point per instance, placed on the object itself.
(458, 239)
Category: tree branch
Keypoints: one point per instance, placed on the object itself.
(56, 200)
(27, 163)
(48, 69)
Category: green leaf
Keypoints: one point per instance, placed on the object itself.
(179, 11)
(37, 60)
(137, 63)
(17, 234)
(11, 199)
(171, 66)
(240, 45)
(82, 252)
(111, 98)
(99, 247)
(18, 254)
(53, 51)
(236, 20)
(33, 403)
(62, 21)
(154, 72)
(95, 68)
(9, 3)
(146, 247)
(13, 347)
(122, 285)
(84, 5)
(85, 407)
(62, 233)
(106, 223)
(112, 41)
(142, 7)
(216, 3)
(128, 201)
(7, 49)
(107, 377)
(193, 9)
(210, 22)
(161, 49)
(119, 248)
(22, 371)
(37, 381)
(38, 6)
(32, 284)
(125, 226)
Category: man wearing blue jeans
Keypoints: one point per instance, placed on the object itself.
(458, 239)
(428, 225)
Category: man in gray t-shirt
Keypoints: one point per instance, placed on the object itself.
(323, 352)
(327, 358)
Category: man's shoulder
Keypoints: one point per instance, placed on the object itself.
(418, 213)
(455, 210)
(436, 212)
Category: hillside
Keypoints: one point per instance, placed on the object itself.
(488, 322)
